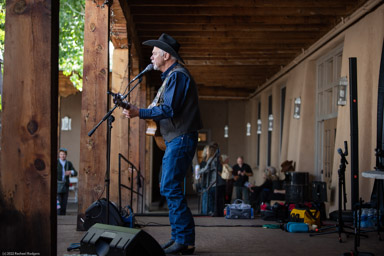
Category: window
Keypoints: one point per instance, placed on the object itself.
(269, 149)
(258, 133)
(282, 110)
(328, 76)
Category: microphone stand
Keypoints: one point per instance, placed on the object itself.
(111, 119)
(340, 227)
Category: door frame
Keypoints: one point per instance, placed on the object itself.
(320, 118)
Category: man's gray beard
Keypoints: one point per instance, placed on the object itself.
(155, 67)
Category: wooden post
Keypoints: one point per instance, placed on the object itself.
(29, 128)
(128, 136)
(94, 106)
(120, 129)
(144, 149)
(134, 133)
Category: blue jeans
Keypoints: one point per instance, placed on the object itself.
(176, 161)
(208, 201)
(242, 193)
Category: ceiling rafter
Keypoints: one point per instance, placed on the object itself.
(232, 47)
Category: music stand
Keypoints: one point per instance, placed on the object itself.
(110, 119)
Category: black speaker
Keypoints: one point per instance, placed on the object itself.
(295, 194)
(102, 239)
(319, 191)
(296, 187)
(354, 132)
(97, 213)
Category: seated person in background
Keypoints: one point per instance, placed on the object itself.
(269, 190)
(287, 166)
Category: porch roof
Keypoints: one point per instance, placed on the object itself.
(231, 47)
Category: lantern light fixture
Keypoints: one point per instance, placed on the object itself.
(297, 108)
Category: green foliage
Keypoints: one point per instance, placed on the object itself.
(2, 34)
(72, 40)
(2, 25)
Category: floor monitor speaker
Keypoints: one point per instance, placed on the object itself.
(102, 239)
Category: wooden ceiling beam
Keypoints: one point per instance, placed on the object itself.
(229, 70)
(240, 53)
(218, 35)
(234, 83)
(224, 91)
(235, 42)
(240, 56)
(272, 62)
(186, 19)
(228, 77)
(159, 28)
(224, 68)
(245, 3)
(245, 46)
(238, 11)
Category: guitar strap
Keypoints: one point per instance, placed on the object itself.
(160, 92)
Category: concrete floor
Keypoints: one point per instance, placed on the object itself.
(235, 238)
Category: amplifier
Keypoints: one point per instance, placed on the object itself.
(319, 191)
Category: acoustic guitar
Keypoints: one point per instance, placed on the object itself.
(152, 128)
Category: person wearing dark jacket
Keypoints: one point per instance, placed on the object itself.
(212, 183)
(176, 110)
(269, 190)
(241, 173)
(65, 170)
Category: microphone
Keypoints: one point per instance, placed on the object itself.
(148, 68)
(345, 148)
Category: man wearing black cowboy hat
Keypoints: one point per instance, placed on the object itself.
(176, 109)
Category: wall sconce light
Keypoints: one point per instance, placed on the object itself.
(248, 129)
(259, 126)
(66, 123)
(342, 91)
(226, 131)
(270, 123)
(297, 106)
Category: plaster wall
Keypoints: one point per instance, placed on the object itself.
(363, 40)
(215, 115)
(71, 106)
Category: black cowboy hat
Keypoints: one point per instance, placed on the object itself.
(166, 43)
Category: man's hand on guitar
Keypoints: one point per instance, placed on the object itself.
(132, 112)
